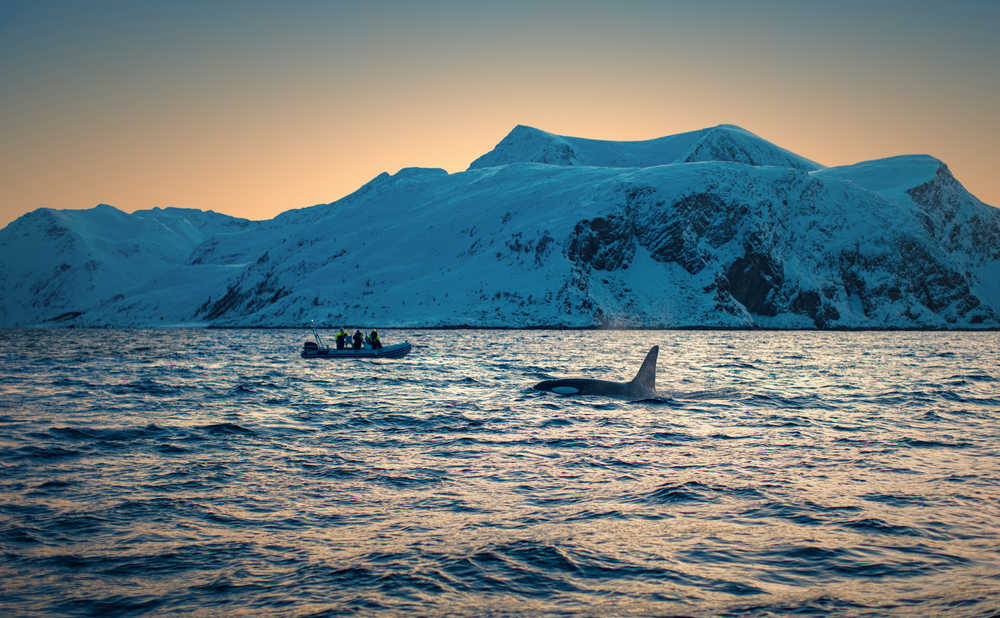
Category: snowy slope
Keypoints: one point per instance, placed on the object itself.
(966, 230)
(717, 244)
(881, 244)
(721, 143)
(60, 263)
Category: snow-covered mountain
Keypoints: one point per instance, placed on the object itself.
(710, 228)
(63, 265)
(725, 142)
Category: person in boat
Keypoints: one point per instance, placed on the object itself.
(374, 340)
(359, 339)
(341, 339)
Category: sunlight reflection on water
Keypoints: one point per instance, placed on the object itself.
(153, 471)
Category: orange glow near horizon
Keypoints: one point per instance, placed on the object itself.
(180, 115)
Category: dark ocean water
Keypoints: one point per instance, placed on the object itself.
(216, 472)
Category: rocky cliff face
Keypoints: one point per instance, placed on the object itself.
(791, 248)
(896, 243)
(948, 214)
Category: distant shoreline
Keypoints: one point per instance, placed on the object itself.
(629, 328)
(526, 328)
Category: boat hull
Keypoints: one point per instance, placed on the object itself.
(398, 350)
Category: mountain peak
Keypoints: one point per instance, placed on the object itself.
(419, 172)
(723, 142)
(728, 142)
(891, 174)
(528, 144)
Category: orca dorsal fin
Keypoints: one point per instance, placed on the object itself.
(646, 378)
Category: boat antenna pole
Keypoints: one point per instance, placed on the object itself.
(319, 342)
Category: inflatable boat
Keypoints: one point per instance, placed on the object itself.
(311, 349)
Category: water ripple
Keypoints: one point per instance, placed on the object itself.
(215, 472)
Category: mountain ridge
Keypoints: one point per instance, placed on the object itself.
(888, 243)
(724, 142)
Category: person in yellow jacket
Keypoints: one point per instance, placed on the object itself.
(373, 340)
(341, 339)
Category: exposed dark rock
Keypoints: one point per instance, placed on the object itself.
(603, 243)
(852, 265)
(515, 245)
(939, 197)
(677, 233)
(232, 299)
(203, 307)
(984, 233)
(811, 303)
(724, 301)
(916, 274)
(806, 302)
(943, 200)
(935, 285)
(754, 281)
(543, 247)
(63, 317)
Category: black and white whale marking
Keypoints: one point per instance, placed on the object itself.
(643, 386)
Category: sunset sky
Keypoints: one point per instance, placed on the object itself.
(250, 109)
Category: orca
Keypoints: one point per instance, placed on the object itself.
(643, 386)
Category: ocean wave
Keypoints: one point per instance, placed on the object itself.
(145, 386)
(186, 479)
(694, 491)
(225, 429)
(922, 443)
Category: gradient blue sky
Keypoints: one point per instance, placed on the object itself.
(251, 108)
